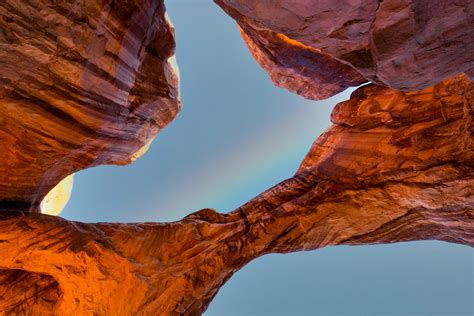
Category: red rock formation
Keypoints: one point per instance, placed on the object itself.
(395, 166)
(403, 44)
(82, 84)
(299, 68)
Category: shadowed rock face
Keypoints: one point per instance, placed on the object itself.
(395, 166)
(470, 74)
(82, 84)
(299, 68)
(27, 293)
(403, 44)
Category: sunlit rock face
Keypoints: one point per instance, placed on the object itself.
(82, 84)
(56, 199)
(403, 44)
(394, 166)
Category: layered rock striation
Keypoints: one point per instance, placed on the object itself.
(402, 44)
(395, 166)
(299, 68)
(92, 82)
(82, 84)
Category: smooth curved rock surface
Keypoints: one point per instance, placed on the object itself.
(395, 166)
(82, 84)
(402, 44)
(299, 68)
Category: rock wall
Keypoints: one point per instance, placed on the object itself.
(299, 68)
(88, 82)
(83, 83)
(402, 44)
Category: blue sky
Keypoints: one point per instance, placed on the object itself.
(236, 136)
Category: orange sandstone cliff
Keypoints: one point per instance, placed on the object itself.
(92, 82)
(402, 44)
(395, 166)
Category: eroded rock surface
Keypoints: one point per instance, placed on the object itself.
(82, 84)
(403, 44)
(395, 166)
(299, 68)
(27, 293)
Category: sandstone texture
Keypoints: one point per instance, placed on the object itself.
(299, 68)
(395, 166)
(88, 82)
(83, 83)
(402, 44)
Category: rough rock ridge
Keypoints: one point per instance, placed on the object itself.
(402, 44)
(395, 166)
(83, 83)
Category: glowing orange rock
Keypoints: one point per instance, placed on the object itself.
(395, 166)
